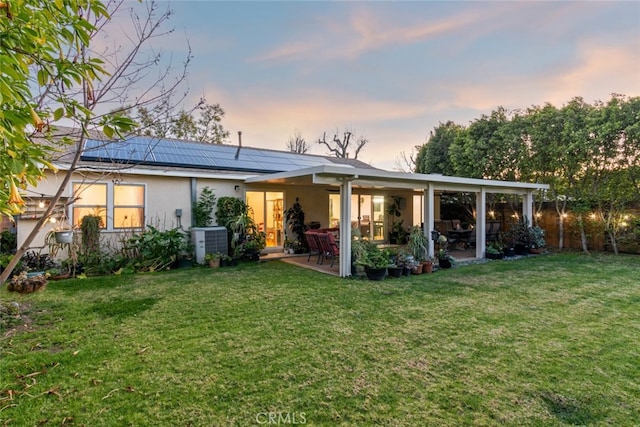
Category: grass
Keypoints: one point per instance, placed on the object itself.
(547, 340)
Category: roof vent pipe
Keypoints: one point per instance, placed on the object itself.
(239, 144)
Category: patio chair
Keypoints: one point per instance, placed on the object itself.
(323, 243)
(333, 248)
(314, 245)
(493, 230)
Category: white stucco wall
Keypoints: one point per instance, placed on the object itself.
(163, 195)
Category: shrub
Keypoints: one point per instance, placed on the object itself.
(203, 208)
(154, 250)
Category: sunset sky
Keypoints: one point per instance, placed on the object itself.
(392, 71)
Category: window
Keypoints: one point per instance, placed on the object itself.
(418, 214)
(119, 205)
(128, 206)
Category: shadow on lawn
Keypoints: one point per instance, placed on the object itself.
(567, 410)
(122, 307)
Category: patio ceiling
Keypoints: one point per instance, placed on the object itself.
(335, 175)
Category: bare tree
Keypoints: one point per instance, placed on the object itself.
(341, 147)
(407, 162)
(297, 144)
(126, 71)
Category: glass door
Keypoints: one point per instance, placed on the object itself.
(267, 210)
(367, 214)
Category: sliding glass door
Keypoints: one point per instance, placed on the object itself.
(367, 214)
(268, 214)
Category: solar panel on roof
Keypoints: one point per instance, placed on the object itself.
(164, 152)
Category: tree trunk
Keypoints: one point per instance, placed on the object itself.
(583, 235)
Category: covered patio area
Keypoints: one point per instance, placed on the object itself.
(343, 179)
(461, 255)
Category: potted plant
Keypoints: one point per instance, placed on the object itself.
(418, 244)
(58, 273)
(494, 250)
(253, 244)
(247, 239)
(294, 219)
(213, 260)
(395, 270)
(398, 234)
(444, 259)
(375, 261)
(522, 236)
(537, 240)
(25, 283)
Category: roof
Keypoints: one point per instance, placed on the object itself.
(150, 151)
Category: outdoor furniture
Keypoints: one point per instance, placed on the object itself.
(328, 249)
(314, 245)
(334, 249)
(460, 236)
(493, 230)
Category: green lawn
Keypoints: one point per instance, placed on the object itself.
(546, 340)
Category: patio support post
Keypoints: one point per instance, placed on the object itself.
(345, 227)
(527, 206)
(429, 216)
(481, 222)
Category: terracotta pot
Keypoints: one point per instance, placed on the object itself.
(427, 267)
(417, 269)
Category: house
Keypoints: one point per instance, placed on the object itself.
(145, 180)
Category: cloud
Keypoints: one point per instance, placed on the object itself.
(600, 71)
(362, 31)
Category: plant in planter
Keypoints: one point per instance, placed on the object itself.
(444, 259)
(213, 260)
(418, 244)
(375, 261)
(25, 283)
(226, 260)
(537, 239)
(253, 244)
(398, 235)
(494, 250)
(247, 239)
(358, 249)
(408, 262)
(522, 236)
(58, 273)
(294, 218)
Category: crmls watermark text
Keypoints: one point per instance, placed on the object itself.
(277, 418)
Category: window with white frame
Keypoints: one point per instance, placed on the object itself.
(120, 206)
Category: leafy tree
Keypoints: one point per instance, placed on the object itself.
(202, 123)
(347, 147)
(615, 159)
(433, 157)
(548, 161)
(50, 71)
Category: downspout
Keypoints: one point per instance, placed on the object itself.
(194, 198)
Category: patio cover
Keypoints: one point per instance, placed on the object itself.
(346, 177)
